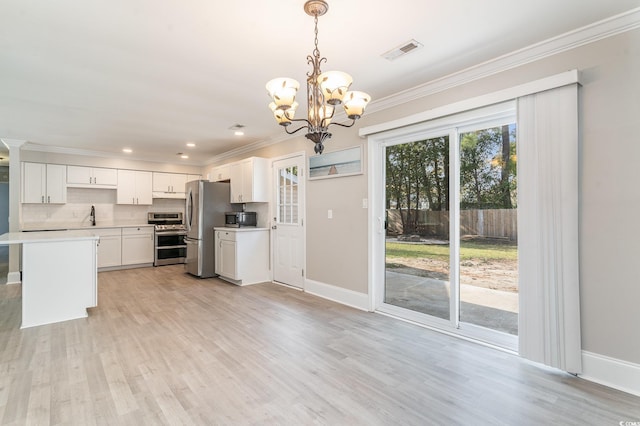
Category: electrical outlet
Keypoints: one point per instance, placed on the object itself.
(365, 203)
(329, 214)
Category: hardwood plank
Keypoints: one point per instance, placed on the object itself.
(164, 347)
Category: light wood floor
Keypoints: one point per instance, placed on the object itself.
(166, 348)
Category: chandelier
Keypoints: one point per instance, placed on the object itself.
(325, 91)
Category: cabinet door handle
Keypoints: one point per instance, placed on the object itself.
(48, 198)
(133, 200)
(42, 199)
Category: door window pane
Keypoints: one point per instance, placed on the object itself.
(417, 245)
(288, 195)
(488, 229)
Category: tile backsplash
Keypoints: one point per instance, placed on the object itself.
(78, 207)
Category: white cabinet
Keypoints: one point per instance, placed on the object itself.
(109, 247)
(169, 185)
(242, 255)
(137, 245)
(226, 254)
(134, 187)
(44, 183)
(92, 177)
(220, 173)
(249, 180)
(193, 177)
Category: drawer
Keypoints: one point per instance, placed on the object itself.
(138, 230)
(226, 235)
(107, 232)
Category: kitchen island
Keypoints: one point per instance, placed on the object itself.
(59, 274)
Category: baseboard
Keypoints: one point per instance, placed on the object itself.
(13, 278)
(338, 294)
(611, 372)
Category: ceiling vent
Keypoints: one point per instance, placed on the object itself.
(403, 49)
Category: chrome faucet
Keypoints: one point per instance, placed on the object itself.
(92, 216)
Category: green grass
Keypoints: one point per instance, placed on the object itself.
(468, 250)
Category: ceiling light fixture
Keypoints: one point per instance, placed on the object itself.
(191, 144)
(127, 150)
(325, 90)
(237, 129)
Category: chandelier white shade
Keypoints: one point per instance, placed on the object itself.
(325, 91)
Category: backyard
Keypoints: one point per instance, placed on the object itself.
(488, 263)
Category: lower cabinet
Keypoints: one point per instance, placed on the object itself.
(242, 255)
(109, 247)
(137, 245)
(125, 246)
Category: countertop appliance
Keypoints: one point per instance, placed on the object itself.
(205, 208)
(169, 232)
(240, 219)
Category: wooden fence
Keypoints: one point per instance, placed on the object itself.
(490, 223)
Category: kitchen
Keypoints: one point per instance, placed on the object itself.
(85, 193)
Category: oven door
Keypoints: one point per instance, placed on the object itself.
(170, 248)
(169, 239)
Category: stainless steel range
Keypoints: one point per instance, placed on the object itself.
(170, 247)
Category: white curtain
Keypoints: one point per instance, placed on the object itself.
(549, 317)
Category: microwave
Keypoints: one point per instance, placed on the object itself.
(240, 219)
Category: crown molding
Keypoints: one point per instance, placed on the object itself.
(12, 143)
(250, 147)
(596, 31)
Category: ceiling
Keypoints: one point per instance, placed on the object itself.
(152, 75)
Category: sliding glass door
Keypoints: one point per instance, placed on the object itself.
(450, 234)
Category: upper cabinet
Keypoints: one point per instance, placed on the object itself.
(134, 187)
(220, 173)
(249, 180)
(91, 177)
(44, 183)
(169, 185)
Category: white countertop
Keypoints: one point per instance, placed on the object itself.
(45, 236)
(243, 229)
(42, 226)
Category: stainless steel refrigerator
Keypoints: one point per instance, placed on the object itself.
(205, 207)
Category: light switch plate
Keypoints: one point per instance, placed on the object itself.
(365, 203)
(329, 214)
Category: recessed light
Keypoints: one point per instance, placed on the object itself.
(237, 129)
(191, 144)
(127, 150)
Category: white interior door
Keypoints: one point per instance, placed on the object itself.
(288, 232)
